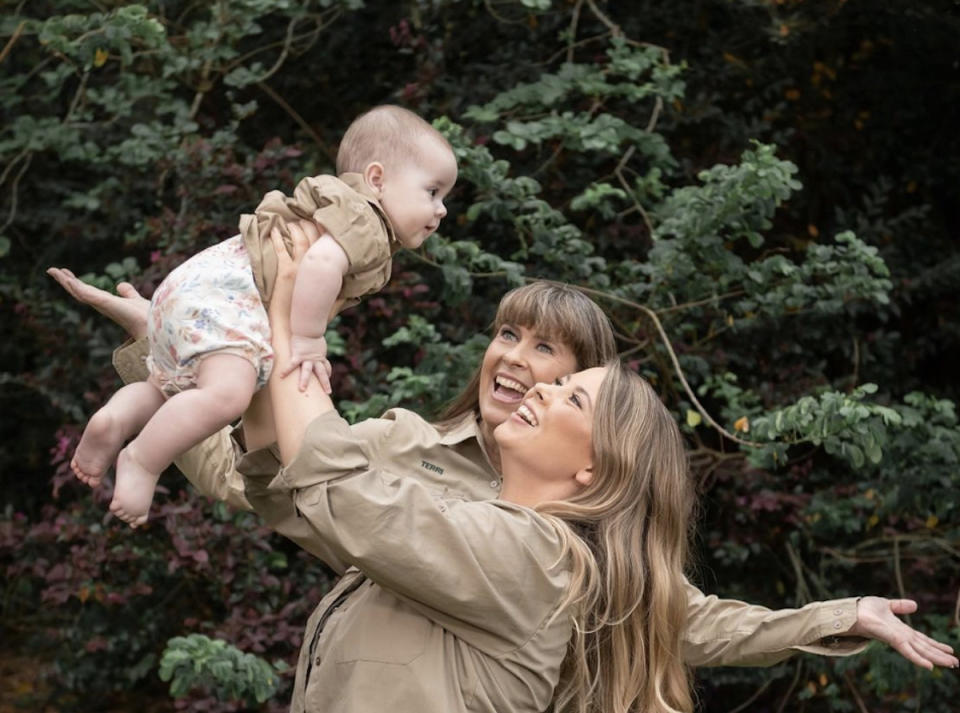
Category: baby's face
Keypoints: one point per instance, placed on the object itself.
(412, 193)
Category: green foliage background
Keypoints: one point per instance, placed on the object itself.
(761, 193)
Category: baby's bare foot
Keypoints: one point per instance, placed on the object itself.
(134, 491)
(98, 448)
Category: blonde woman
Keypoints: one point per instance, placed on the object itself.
(470, 605)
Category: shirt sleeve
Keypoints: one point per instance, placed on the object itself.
(129, 360)
(728, 632)
(348, 217)
(474, 567)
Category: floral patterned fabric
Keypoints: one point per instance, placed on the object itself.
(207, 305)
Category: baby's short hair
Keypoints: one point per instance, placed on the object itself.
(386, 133)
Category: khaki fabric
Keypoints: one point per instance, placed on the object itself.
(347, 209)
(460, 610)
(721, 632)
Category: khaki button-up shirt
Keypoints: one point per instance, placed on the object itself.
(347, 210)
(459, 610)
(720, 632)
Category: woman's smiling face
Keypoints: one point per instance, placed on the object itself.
(517, 358)
(549, 435)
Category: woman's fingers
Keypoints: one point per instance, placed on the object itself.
(303, 234)
(306, 371)
(903, 606)
(129, 309)
(323, 371)
(878, 619)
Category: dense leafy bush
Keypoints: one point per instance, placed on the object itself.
(760, 193)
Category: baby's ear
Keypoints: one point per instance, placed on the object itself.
(373, 176)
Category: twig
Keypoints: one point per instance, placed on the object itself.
(618, 172)
(573, 30)
(295, 116)
(12, 41)
(497, 16)
(315, 33)
(751, 699)
(287, 42)
(611, 25)
(804, 593)
(898, 574)
(855, 692)
(793, 684)
(676, 363)
(657, 108)
(552, 58)
(856, 364)
(697, 303)
(202, 88)
(14, 192)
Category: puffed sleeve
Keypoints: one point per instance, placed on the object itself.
(488, 570)
(728, 632)
(344, 213)
(349, 218)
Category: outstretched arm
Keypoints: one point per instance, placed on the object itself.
(127, 308)
(728, 632)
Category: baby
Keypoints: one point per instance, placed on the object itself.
(207, 328)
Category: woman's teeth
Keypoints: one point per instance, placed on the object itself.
(504, 382)
(527, 415)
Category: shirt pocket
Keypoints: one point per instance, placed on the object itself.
(381, 628)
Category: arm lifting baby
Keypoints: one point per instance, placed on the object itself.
(207, 326)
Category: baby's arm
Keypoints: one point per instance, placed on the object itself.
(319, 279)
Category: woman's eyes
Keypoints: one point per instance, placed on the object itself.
(507, 333)
(574, 397)
(433, 192)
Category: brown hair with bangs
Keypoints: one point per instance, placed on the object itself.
(559, 312)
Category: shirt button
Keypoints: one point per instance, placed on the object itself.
(836, 625)
(316, 661)
(495, 484)
(838, 612)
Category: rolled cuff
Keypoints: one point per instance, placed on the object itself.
(835, 619)
(129, 359)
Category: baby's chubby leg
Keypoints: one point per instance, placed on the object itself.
(225, 383)
(123, 415)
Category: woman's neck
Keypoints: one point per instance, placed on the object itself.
(488, 444)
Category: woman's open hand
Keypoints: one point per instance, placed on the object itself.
(128, 308)
(878, 618)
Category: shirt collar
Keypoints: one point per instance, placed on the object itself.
(465, 430)
(355, 181)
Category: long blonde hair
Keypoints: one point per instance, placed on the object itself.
(627, 536)
(553, 309)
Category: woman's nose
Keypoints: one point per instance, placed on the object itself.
(540, 391)
(517, 355)
(442, 211)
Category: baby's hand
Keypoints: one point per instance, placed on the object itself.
(310, 355)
